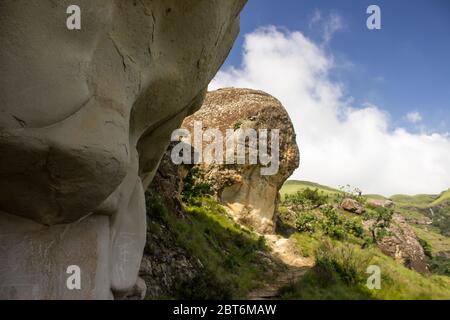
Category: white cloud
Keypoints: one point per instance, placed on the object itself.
(414, 117)
(328, 25)
(339, 144)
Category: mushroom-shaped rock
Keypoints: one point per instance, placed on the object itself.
(258, 152)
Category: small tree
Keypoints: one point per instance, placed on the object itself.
(382, 218)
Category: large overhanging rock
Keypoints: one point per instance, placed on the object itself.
(248, 190)
(85, 117)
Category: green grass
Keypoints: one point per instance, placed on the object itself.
(229, 254)
(420, 200)
(437, 241)
(444, 196)
(292, 186)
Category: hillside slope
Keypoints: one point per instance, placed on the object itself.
(313, 228)
(197, 251)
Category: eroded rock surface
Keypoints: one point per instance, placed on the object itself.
(402, 244)
(85, 117)
(250, 195)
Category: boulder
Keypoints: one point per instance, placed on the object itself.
(351, 205)
(389, 204)
(402, 244)
(85, 117)
(248, 190)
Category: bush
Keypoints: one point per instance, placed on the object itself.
(354, 226)
(440, 265)
(305, 199)
(382, 219)
(155, 206)
(333, 225)
(193, 187)
(342, 261)
(426, 248)
(330, 223)
(306, 222)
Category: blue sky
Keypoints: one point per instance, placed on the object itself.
(402, 68)
(370, 108)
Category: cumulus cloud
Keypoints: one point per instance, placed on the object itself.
(339, 143)
(414, 117)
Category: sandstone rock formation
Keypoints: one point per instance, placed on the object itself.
(249, 193)
(85, 117)
(351, 205)
(402, 244)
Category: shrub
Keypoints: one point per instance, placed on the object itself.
(155, 206)
(426, 248)
(306, 222)
(193, 187)
(382, 219)
(342, 261)
(354, 226)
(332, 225)
(440, 265)
(305, 199)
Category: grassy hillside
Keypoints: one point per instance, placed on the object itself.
(292, 186)
(233, 259)
(341, 261)
(444, 197)
(420, 200)
(437, 241)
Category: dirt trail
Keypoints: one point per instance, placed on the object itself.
(296, 266)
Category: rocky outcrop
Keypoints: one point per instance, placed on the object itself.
(351, 205)
(249, 190)
(402, 244)
(389, 204)
(85, 117)
(165, 263)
